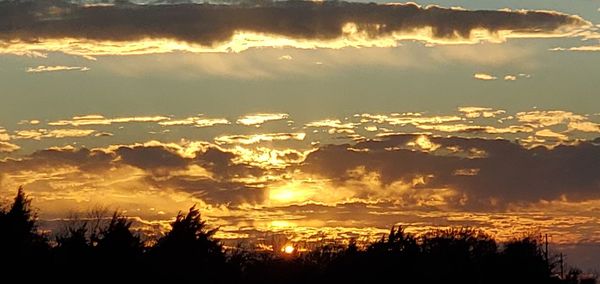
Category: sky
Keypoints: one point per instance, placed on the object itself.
(309, 120)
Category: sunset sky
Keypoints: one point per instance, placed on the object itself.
(315, 120)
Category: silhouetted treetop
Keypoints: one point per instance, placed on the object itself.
(19, 237)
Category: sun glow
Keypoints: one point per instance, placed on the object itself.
(288, 194)
(288, 249)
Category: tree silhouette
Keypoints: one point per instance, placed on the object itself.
(73, 255)
(20, 241)
(118, 242)
(107, 248)
(525, 259)
(462, 255)
(94, 244)
(189, 246)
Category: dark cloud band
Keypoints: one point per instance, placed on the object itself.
(483, 169)
(208, 24)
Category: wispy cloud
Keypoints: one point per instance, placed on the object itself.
(96, 119)
(38, 134)
(6, 147)
(197, 121)
(258, 138)
(43, 69)
(590, 48)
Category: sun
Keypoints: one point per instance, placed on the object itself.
(288, 249)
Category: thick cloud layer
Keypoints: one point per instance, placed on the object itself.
(468, 172)
(210, 174)
(342, 191)
(489, 172)
(208, 24)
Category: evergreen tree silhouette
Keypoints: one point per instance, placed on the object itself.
(189, 246)
(73, 253)
(117, 243)
(20, 242)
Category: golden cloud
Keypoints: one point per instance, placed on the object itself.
(484, 77)
(196, 121)
(96, 119)
(260, 118)
(43, 69)
(475, 112)
(38, 134)
(258, 138)
(6, 147)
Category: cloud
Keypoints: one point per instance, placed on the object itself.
(4, 136)
(332, 123)
(6, 147)
(566, 171)
(545, 118)
(475, 112)
(96, 119)
(585, 126)
(136, 29)
(260, 118)
(547, 133)
(43, 69)
(30, 122)
(578, 48)
(408, 118)
(510, 77)
(471, 128)
(419, 181)
(484, 77)
(196, 121)
(258, 138)
(38, 134)
(206, 171)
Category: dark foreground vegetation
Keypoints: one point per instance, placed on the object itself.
(94, 251)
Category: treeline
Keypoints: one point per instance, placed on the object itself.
(93, 251)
